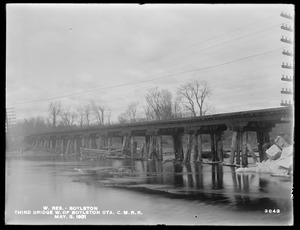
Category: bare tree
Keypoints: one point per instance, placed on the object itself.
(54, 111)
(152, 100)
(87, 114)
(176, 108)
(98, 108)
(33, 125)
(193, 96)
(68, 117)
(166, 104)
(80, 116)
(108, 115)
(131, 114)
(149, 113)
(159, 104)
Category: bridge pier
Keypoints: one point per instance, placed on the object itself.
(56, 144)
(102, 142)
(109, 142)
(194, 150)
(152, 147)
(199, 143)
(51, 144)
(234, 139)
(212, 147)
(177, 146)
(238, 148)
(61, 145)
(45, 144)
(48, 144)
(189, 142)
(244, 148)
(159, 148)
(133, 147)
(147, 147)
(75, 145)
(70, 145)
(98, 141)
(262, 138)
(84, 141)
(125, 145)
(219, 147)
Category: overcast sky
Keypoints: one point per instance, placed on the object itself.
(115, 53)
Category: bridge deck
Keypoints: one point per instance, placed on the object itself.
(264, 117)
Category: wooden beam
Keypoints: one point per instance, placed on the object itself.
(233, 146)
(133, 148)
(194, 151)
(244, 149)
(177, 146)
(187, 155)
(219, 144)
(212, 147)
(68, 146)
(199, 138)
(250, 151)
(75, 145)
(62, 146)
(147, 147)
(109, 142)
(124, 145)
(159, 148)
(238, 148)
(152, 149)
(143, 149)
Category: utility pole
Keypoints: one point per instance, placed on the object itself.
(10, 118)
(287, 78)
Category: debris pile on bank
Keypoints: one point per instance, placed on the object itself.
(101, 153)
(279, 162)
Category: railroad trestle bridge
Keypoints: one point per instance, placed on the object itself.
(97, 137)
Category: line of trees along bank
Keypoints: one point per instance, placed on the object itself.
(190, 100)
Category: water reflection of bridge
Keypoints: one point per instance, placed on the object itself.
(216, 183)
(259, 121)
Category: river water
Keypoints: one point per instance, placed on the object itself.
(123, 192)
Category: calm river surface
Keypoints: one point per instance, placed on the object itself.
(140, 193)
